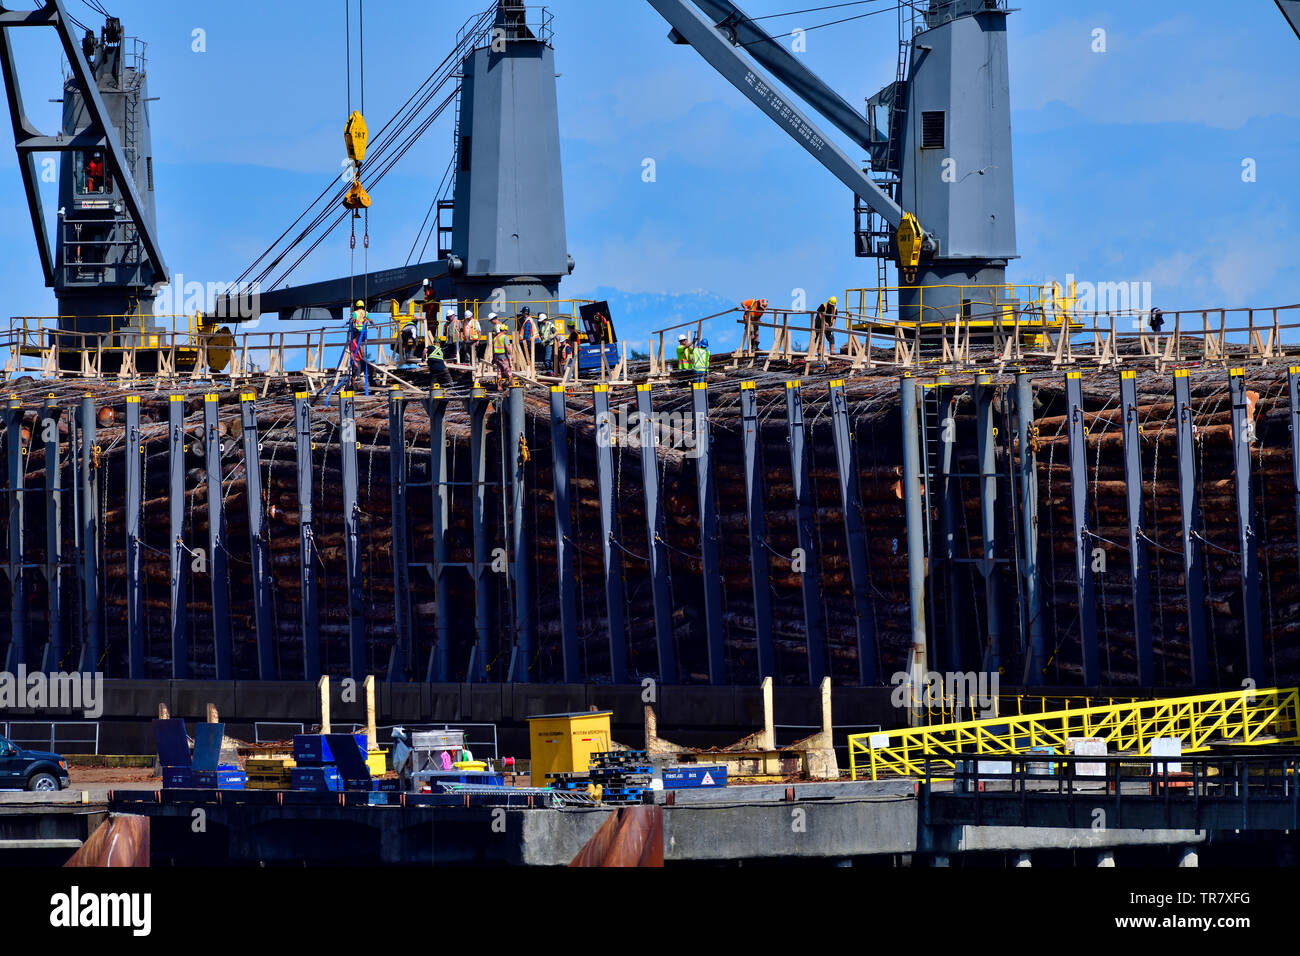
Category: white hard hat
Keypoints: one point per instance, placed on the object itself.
(541, 317)
(681, 338)
(492, 316)
(469, 314)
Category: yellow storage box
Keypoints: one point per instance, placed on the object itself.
(564, 743)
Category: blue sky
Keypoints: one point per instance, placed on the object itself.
(1128, 163)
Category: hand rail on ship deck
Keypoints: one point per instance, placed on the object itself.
(1236, 717)
(39, 346)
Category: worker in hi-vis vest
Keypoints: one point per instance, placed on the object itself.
(702, 356)
(451, 330)
(357, 336)
(501, 352)
(754, 311)
(438, 364)
(529, 334)
(471, 334)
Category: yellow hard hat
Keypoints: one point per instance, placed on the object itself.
(834, 300)
(362, 305)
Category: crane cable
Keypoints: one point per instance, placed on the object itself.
(383, 142)
(352, 263)
(365, 253)
(356, 168)
(819, 26)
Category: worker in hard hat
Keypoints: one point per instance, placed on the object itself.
(571, 345)
(404, 333)
(529, 334)
(684, 358)
(470, 334)
(546, 338)
(500, 344)
(451, 332)
(754, 311)
(701, 359)
(357, 326)
(824, 326)
(432, 311)
(94, 174)
(436, 358)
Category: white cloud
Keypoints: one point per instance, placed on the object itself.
(1174, 70)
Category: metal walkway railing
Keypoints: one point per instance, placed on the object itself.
(1251, 717)
(1242, 790)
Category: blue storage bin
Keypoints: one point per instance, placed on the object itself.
(226, 778)
(316, 779)
(687, 778)
(313, 750)
(178, 778)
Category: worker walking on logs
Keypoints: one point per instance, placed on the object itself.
(500, 352)
(754, 311)
(357, 341)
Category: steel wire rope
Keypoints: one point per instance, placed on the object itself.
(820, 26)
(387, 167)
(437, 197)
(402, 118)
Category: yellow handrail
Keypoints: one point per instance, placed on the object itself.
(1239, 717)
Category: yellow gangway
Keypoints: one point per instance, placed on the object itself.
(1244, 717)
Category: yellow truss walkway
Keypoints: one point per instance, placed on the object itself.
(1268, 716)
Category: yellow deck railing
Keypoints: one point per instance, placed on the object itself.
(1237, 717)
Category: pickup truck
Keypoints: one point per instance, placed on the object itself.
(31, 769)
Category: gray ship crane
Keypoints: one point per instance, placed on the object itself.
(1291, 10)
(106, 258)
(938, 192)
(937, 196)
(501, 236)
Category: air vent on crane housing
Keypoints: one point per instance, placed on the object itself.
(932, 129)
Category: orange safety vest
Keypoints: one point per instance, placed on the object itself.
(752, 310)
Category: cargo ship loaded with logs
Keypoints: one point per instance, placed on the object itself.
(950, 474)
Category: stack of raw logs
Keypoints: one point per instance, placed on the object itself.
(873, 402)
